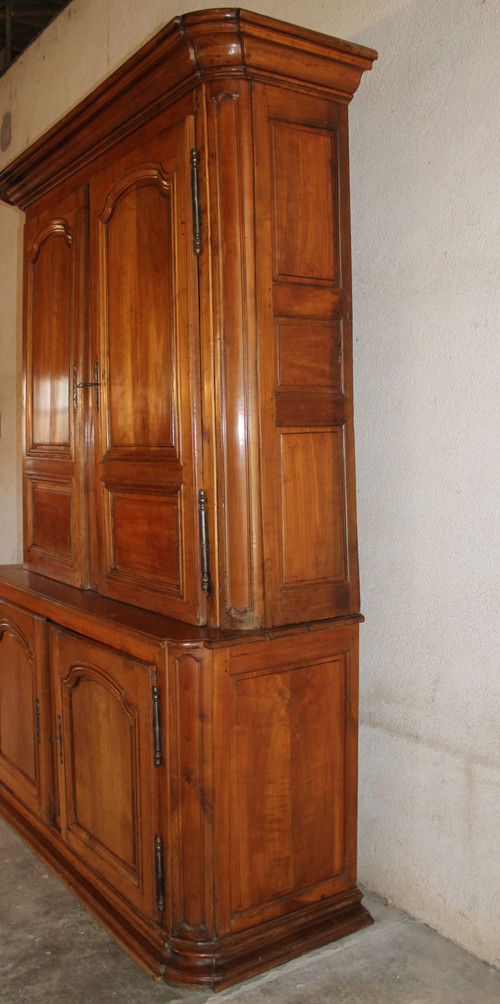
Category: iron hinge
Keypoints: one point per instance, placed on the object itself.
(156, 728)
(37, 713)
(196, 203)
(58, 738)
(205, 558)
(160, 878)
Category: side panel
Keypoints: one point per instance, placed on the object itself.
(305, 366)
(288, 747)
(55, 516)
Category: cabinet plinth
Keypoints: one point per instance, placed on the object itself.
(179, 651)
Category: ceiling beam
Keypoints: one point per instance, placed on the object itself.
(29, 15)
(8, 33)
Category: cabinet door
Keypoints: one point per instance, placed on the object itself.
(106, 752)
(146, 309)
(24, 757)
(55, 528)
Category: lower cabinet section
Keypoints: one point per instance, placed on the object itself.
(195, 789)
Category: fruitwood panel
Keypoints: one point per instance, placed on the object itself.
(305, 235)
(314, 548)
(24, 763)
(140, 285)
(145, 305)
(51, 266)
(104, 710)
(292, 714)
(308, 355)
(55, 317)
(305, 359)
(290, 785)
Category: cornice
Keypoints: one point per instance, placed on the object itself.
(193, 48)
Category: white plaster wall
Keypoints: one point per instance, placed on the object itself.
(425, 155)
(11, 222)
(426, 235)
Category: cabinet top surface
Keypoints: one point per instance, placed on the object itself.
(48, 597)
(64, 604)
(193, 48)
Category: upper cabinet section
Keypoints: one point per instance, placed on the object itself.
(189, 418)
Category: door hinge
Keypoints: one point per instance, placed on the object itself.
(196, 202)
(160, 878)
(37, 713)
(205, 559)
(156, 728)
(58, 738)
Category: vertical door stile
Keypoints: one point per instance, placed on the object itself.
(203, 339)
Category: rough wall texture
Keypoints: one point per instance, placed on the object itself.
(11, 222)
(426, 221)
(426, 242)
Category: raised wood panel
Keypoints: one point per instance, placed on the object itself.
(103, 706)
(303, 408)
(51, 516)
(23, 708)
(18, 739)
(309, 355)
(138, 551)
(147, 427)
(313, 300)
(139, 278)
(96, 712)
(305, 202)
(313, 544)
(51, 308)
(288, 781)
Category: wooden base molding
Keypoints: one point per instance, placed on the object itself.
(217, 964)
(221, 964)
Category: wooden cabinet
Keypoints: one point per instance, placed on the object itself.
(190, 585)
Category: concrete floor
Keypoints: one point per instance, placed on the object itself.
(51, 950)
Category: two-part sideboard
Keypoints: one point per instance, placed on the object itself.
(178, 652)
